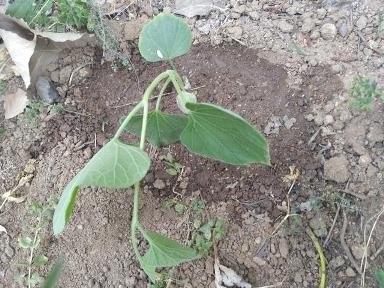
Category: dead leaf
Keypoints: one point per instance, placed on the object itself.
(191, 8)
(15, 103)
(31, 51)
(226, 277)
(2, 229)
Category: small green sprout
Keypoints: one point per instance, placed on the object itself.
(363, 91)
(173, 168)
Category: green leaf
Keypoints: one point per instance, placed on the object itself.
(116, 165)
(34, 280)
(165, 252)
(25, 242)
(54, 274)
(22, 9)
(380, 278)
(40, 260)
(162, 128)
(222, 135)
(164, 38)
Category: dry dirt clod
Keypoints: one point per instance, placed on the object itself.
(159, 184)
(336, 169)
(328, 31)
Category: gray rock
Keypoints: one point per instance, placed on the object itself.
(336, 169)
(283, 247)
(337, 262)
(328, 119)
(317, 223)
(350, 272)
(308, 25)
(376, 133)
(235, 31)
(46, 91)
(284, 26)
(159, 184)
(254, 15)
(343, 28)
(321, 13)
(328, 31)
(361, 23)
(64, 74)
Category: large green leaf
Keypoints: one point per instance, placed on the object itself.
(164, 38)
(222, 135)
(116, 165)
(54, 274)
(380, 278)
(162, 128)
(165, 252)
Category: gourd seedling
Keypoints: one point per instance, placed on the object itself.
(204, 129)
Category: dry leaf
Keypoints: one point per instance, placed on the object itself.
(2, 229)
(15, 103)
(191, 8)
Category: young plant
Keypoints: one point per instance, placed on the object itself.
(173, 167)
(363, 91)
(204, 129)
(40, 216)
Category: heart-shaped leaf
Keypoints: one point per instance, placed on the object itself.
(222, 135)
(164, 38)
(162, 128)
(165, 252)
(116, 165)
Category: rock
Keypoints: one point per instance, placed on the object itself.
(244, 247)
(288, 122)
(350, 272)
(320, 13)
(336, 169)
(45, 90)
(365, 160)
(328, 31)
(284, 26)
(239, 9)
(328, 119)
(308, 25)
(317, 223)
(343, 28)
(87, 153)
(254, 15)
(337, 262)
(355, 136)
(259, 261)
(361, 23)
(159, 184)
(357, 251)
(235, 31)
(375, 134)
(283, 247)
(64, 74)
(337, 68)
(132, 28)
(55, 76)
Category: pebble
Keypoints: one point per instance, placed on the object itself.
(235, 32)
(321, 13)
(328, 119)
(308, 25)
(318, 225)
(328, 31)
(284, 26)
(337, 262)
(87, 153)
(350, 272)
(283, 247)
(254, 15)
(336, 169)
(259, 261)
(159, 184)
(244, 247)
(365, 160)
(361, 23)
(45, 90)
(357, 251)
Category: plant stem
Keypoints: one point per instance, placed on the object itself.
(161, 93)
(134, 221)
(127, 119)
(31, 253)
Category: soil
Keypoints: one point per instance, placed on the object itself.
(299, 102)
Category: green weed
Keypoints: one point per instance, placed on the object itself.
(173, 167)
(38, 217)
(380, 278)
(74, 13)
(205, 234)
(363, 91)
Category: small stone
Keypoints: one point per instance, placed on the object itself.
(338, 125)
(328, 119)
(273, 249)
(183, 185)
(343, 29)
(372, 171)
(284, 26)
(365, 160)
(254, 15)
(315, 35)
(376, 133)
(336, 262)
(328, 31)
(45, 90)
(284, 247)
(288, 122)
(350, 272)
(77, 92)
(308, 25)
(357, 251)
(259, 261)
(85, 72)
(336, 169)
(55, 76)
(321, 13)
(64, 74)
(297, 278)
(235, 31)
(337, 68)
(87, 153)
(318, 225)
(362, 22)
(239, 9)
(159, 184)
(244, 247)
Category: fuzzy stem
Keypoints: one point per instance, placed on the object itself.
(32, 249)
(161, 93)
(127, 119)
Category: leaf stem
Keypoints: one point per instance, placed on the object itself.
(128, 118)
(162, 92)
(32, 249)
(135, 221)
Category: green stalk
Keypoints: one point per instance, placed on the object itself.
(161, 93)
(135, 221)
(127, 119)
